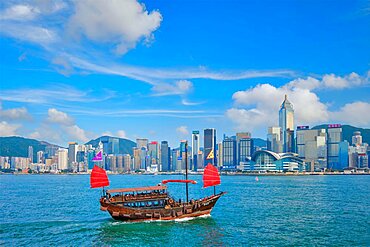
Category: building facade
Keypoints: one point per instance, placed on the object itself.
(286, 123)
(210, 155)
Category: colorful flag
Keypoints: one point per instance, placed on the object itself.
(98, 157)
(210, 155)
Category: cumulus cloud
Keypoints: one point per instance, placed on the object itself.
(55, 116)
(14, 113)
(257, 107)
(7, 129)
(122, 23)
(182, 130)
(19, 12)
(74, 132)
(353, 113)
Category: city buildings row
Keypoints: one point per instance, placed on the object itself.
(304, 150)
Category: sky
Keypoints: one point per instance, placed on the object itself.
(76, 70)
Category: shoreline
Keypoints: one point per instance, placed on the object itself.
(199, 174)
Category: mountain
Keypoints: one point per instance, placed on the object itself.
(258, 142)
(16, 146)
(125, 145)
(348, 130)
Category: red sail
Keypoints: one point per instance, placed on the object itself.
(211, 177)
(98, 177)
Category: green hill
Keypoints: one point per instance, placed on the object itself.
(348, 132)
(125, 145)
(16, 146)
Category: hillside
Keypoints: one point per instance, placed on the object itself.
(125, 145)
(348, 132)
(16, 146)
(258, 142)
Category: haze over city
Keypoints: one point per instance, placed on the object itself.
(162, 69)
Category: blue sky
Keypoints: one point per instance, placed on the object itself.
(73, 70)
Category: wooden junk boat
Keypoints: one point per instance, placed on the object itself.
(154, 202)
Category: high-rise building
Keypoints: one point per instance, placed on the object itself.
(210, 147)
(62, 159)
(286, 123)
(110, 145)
(343, 155)
(229, 158)
(183, 155)
(50, 151)
(144, 161)
(175, 159)
(334, 137)
(89, 156)
(219, 154)
(30, 154)
(165, 156)
(127, 163)
(357, 138)
(40, 157)
(311, 147)
(136, 159)
(153, 152)
(195, 145)
(274, 142)
(72, 152)
(142, 142)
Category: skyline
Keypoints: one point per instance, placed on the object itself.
(128, 81)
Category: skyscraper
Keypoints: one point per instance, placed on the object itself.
(210, 147)
(72, 152)
(229, 159)
(195, 145)
(30, 153)
(165, 156)
(286, 123)
(153, 152)
(62, 159)
(334, 137)
(110, 145)
(142, 142)
(40, 157)
(274, 142)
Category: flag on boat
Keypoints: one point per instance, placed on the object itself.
(98, 157)
(210, 155)
(98, 177)
(211, 177)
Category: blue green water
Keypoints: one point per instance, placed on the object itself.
(44, 210)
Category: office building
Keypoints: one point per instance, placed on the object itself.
(30, 154)
(274, 142)
(229, 158)
(210, 147)
(165, 157)
(244, 146)
(72, 152)
(195, 145)
(334, 137)
(63, 159)
(110, 145)
(142, 142)
(311, 147)
(357, 139)
(286, 123)
(153, 152)
(358, 152)
(343, 155)
(40, 157)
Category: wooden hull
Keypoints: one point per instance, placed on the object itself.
(195, 209)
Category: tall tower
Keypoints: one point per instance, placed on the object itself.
(286, 123)
(195, 148)
(30, 153)
(210, 147)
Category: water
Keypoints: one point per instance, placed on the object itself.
(44, 210)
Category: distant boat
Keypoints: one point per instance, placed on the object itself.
(154, 202)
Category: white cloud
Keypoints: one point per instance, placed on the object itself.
(182, 130)
(356, 113)
(7, 129)
(74, 132)
(258, 107)
(331, 81)
(14, 113)
(19, 12)
(122, 23)
(180, 87)
(59, 117)
(53, 94)
(121, 134)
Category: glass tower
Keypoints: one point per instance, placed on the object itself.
(195, 145)
(210, 146)
(286, 123)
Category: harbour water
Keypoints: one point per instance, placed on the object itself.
(44, 210)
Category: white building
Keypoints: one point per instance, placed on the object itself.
(62, 159)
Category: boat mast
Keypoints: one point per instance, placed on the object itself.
(186, 171)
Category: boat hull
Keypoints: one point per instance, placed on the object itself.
(187, 210)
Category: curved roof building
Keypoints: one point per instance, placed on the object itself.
(264, 160)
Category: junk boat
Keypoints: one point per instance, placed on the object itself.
(154, 202)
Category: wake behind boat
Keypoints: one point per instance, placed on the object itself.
(154, 202)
